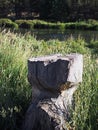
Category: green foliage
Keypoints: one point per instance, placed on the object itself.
(89, 25)
(85, 115)
(15, 92)
(60, 10)
(14, 88)
(43, 24)
(40, 24)
(93, 45)
(7, 23)
(55, 10)
(92, 21)
(28, 24)
(5, 7)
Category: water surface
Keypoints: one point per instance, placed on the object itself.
(62, 35)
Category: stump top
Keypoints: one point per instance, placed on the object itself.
(51, 72)
(48, 58)
(55, 57)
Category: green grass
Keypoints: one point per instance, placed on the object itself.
(85, 115)
(15, 91)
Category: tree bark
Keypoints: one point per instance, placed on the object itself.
(54, 80)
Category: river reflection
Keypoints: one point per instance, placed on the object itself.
(61, 35)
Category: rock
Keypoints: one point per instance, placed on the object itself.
(54, 79)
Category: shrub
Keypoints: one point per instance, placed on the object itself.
(82, 25)
(38, 24)
(93, 45)
(7, 23)
(44, 25)
(28, 24)
(92, 21)
(70, 26)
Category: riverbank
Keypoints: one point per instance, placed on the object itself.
(40, 24)
(15, 92)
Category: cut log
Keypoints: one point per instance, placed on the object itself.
(54, 79)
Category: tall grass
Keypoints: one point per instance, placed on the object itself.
(15, 91)
(85, 115)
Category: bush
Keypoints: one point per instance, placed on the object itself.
(82, 25)
(28, 24)
(38, 24)
(7, 23)
(93, 45)
(70, 26)
(92, 21)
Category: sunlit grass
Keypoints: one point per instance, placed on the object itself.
(85, 115)
(15, 91)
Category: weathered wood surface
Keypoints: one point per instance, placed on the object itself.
(54, 79)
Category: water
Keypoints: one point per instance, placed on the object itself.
(62, 35)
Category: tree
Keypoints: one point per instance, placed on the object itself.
(54, 9)
(18, 7)
(60, 10)
(45, 7)
(5, 7)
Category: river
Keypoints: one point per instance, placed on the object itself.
(62, 35)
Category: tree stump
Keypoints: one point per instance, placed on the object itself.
(54, 79)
